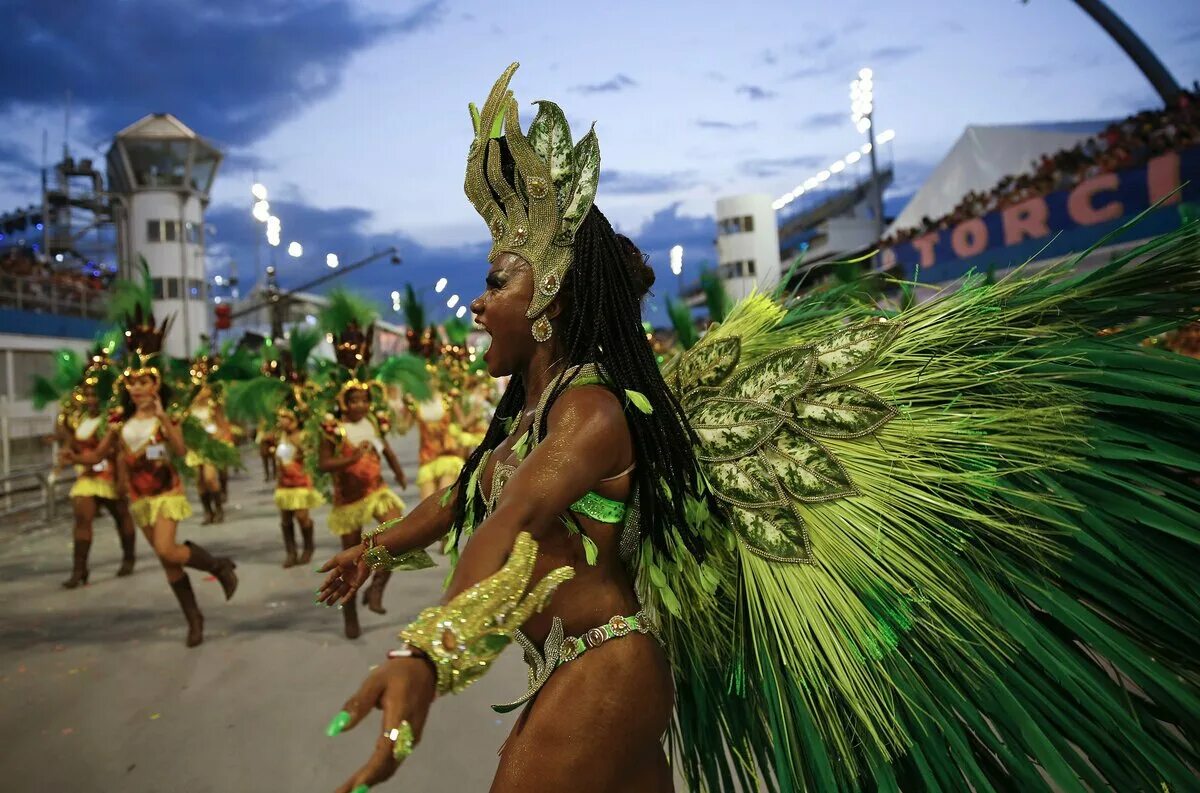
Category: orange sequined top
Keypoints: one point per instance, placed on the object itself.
(289, 457)
(147, 459)
(365, 476)
(85, 437)
(433, 425)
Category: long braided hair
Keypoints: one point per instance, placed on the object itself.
(603, 290)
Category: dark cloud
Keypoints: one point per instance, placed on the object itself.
(816, 46)
(13, 157)
(766, 168)
(231, 70)
(894, 53)
(665, 229)
(716, 76)
(823, 121)
(614, 182)
(755, 92)
(618, 83)
(245, 162)
(821, 70)
(343, 231)
(728, 126)
(769, 57)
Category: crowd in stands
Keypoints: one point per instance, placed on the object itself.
(27, 280)
(1123, 144)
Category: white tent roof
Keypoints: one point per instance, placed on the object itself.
(981, 157)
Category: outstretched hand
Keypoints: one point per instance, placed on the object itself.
(347, 572)
(403, 688)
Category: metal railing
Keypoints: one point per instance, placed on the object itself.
(34, 497)
(51, 297)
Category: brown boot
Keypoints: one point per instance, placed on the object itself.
(289, 542)
(127, 557)
(350, 618)
(187, 602)
(222, 568)
(218, 502)
(373, 597)
(306, 532)
(79, 573)
(206, 502)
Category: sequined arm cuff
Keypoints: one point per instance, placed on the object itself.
(464, 637)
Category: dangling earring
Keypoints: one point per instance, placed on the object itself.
(542, 329)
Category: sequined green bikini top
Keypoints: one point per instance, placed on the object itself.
(591, 504)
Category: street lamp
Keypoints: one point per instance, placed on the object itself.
(677, 266)
(441, 284)
(331, 261)
(862, 110)
(295, 250)
(259, 191)
(452, 302)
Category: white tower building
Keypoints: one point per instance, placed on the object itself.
(747, 244)
(160, 172)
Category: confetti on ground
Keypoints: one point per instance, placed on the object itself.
(68, 730)
(154, 716)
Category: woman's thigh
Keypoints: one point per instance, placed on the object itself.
(597, 725)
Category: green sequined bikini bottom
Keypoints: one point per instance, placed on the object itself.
(559, 650)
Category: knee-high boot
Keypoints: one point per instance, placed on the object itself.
(221, 567)
(127, 556)
(79, 573)
(350, 619)
(373, 597)
(206, 501)
(289, 541)
(187, 602)
(306, 532)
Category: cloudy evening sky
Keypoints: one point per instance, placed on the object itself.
(353, 112)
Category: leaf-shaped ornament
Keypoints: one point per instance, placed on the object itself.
(746, 481)
(841, 412)
(776, 533)
(853, 348)
(774, 379)
(806, 469)
(731, 428)
(550, 137)
(708, 363)
(587, 178)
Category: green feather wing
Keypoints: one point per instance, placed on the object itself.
(302, 341)
(126, 296)
(716, 298)
(414, 310)
(343, 308)
(408, 372)
(683, 323)
(251, 401)
(208, 448)
(939, 531)
(456, 331)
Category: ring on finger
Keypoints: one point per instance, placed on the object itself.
(401, 737)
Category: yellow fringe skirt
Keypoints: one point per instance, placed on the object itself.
(291, 499)
(438, 468)
(91, 487)
(173, 506)
(349, 518)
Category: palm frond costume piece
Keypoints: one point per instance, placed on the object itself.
(952, 547)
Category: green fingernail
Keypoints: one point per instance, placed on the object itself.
(338, 723)
(360, 789)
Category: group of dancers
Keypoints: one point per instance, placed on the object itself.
(136, 425)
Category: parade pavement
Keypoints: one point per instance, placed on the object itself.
(98, 693)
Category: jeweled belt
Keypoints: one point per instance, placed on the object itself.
(560, 649)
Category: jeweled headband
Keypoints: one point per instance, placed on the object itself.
(555, 184)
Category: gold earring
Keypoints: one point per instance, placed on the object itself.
(542, 329)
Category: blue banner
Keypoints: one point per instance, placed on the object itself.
(1057, 224)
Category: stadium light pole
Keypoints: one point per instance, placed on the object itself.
(1137, 50)
(862, 110)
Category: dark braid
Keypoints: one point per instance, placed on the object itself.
(603, 326)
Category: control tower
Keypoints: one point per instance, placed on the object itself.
(160, 173)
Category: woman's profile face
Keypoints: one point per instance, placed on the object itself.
(287, 422)
(91, 399)
(500, 311)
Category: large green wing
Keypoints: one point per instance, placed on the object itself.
(956, 544)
